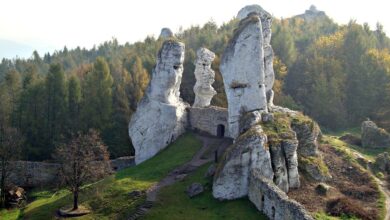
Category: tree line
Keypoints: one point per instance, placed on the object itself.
(337, 74)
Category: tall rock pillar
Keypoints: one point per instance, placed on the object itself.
(161, 114)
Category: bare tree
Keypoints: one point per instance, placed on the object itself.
(84, 158)
(10, 150)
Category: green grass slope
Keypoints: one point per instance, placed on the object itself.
(109, 197)
(174, 204)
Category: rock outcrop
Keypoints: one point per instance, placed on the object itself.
(243, 67)
(382, 162)
(248, 153)
(266, 21)
(204, 75)
(166, 33)
(271, 146)
(373, 136)
(161, 114)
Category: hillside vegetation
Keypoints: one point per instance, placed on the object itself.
(337, 74)
(109, 198)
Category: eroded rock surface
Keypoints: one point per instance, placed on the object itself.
(231, 179)
(266, 22)
(161, 114)
(242, 68)
(204, 75)
(373, 136)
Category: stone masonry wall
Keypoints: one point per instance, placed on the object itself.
(207, 119)
(37, 174)
(272, 201)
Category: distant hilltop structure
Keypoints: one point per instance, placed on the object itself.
(312, 14)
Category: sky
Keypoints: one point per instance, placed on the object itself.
(48, 25)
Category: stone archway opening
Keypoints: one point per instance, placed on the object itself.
(221, 131)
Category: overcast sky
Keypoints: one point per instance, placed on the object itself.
(46, 25)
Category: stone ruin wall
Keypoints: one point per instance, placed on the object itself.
(207, 120)
(273, 202)
(38, 174)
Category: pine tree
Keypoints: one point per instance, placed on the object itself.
(74, 102)
(56, 96)
(97, 96)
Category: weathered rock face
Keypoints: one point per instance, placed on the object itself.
(242, 68)
(204, 75)
(308, 133)
(161, 115)
(166, 33)
(283, 144)
(249, 152)
(373, 136)
(266, 21)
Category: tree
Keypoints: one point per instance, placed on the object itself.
(97, 100)
(83, 159)
(56, 104)
(74, 101)
(12, 85)
(10, 148)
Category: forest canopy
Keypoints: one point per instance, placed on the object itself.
(337, 74)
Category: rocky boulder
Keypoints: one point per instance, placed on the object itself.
(161, 115)
(373, 136)
(351, 139)
(194, 189)
(204, 75)
(382, 162)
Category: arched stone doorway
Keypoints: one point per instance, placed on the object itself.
(221, 131)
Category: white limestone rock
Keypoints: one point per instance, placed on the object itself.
(290, 151)
(204, 75)
(242, 68)
(161, 115)
(248, 153)
(266, 22)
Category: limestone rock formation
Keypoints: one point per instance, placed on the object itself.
(161, 115)
(204, 75)
(242, 68)
(166, 33)
(248, 153)
(373, 136)
(308, 133)
(266, 21)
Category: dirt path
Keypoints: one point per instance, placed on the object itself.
(383, 186)
(203, 156)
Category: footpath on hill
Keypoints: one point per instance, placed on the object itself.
(205, 155)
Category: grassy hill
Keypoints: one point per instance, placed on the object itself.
(110, 199)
